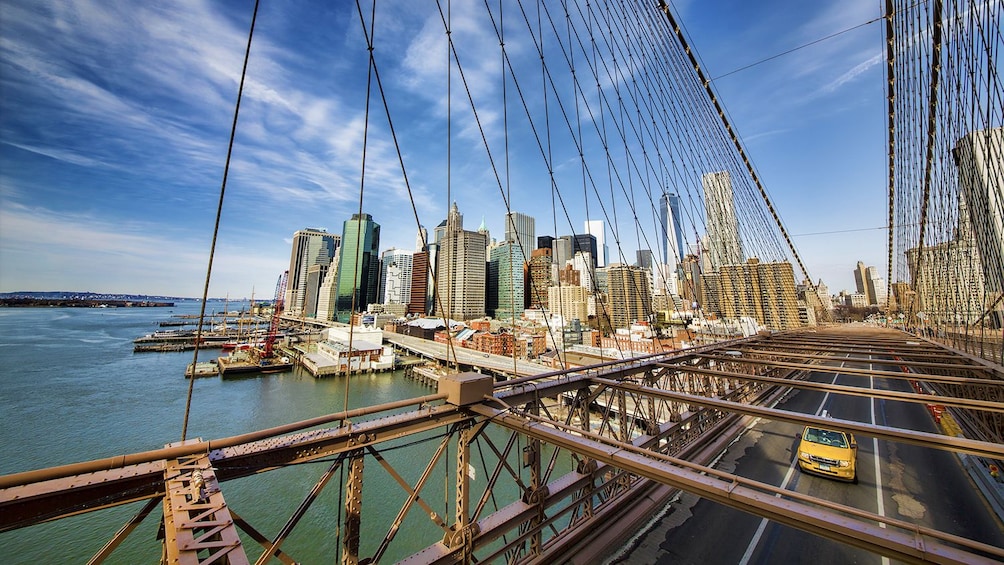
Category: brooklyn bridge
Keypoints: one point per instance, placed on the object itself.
(576, 464)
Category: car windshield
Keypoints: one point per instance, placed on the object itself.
(825, 437)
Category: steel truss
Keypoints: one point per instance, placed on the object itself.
(558, 456)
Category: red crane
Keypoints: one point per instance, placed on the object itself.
(273, 327)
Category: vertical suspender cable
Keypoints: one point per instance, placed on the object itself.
(216, 225)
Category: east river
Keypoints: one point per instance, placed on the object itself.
(72, 389)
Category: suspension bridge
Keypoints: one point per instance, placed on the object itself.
(570, 464)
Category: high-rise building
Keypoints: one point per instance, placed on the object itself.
(861, 281)
(439, 232)
(601, 282)
(506, 276)
(948, 280)
(690, 287)
(460, 292)
(328, 294)
(763, 291)
(596, 229)
(545, 242)
(724, 245)
(483, 230)
(905, 298)
(671, 226)
(569, 275)
(310, 247)
(564, 250)
(541, 268)
(420, 298)
(586, 243)
(664, 280)
(315, 275)
(644, 259)
(630, 297)
(824, 295)
(583, 263)
(420, 238)
(979, 158)
(418, 302)
(571, 302)
(875, 283)
(358, 266)
(395, 276)
(520, 228)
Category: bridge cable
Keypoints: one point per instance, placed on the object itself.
(216, 224)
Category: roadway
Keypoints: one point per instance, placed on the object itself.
(500, 364)
(907, 482)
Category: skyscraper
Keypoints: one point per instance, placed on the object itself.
(672, 229)
(630, 294)
(328, 293)
(545, 242)
(520, 228)
(420, 238)
(979, 158)
(506, 276)
(418, 302)
(763, 291)
(460, 288)
(310, 247)
(541, 269)
(563, 250)
(584, 264)
(720, 219)
(877, 291)
(861, 279)
(395, 276)
(596, 229)
(644, 258)
(569, 301)
(358, 266)
(948, 281)
(585, 243)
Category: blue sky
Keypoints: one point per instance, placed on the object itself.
(115, 117)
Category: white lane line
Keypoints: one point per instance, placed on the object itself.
(879, 496)
(784, 485)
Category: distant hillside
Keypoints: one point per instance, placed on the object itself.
(97, 296)
(34, 302)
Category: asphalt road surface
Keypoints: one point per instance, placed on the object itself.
(911, 483)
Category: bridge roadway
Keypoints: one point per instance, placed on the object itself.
(908, 482)
(914, 485)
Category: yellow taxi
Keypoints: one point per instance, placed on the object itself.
(830, 453)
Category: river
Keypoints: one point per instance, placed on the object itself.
(73, 390)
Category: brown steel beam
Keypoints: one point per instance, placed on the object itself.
(857, 371)
(937, 441)
(853, 390)
(123, 532)
(908, 544)
(198, 527)
(866, 360)
(22, 505)
(191, 448)
(257, 536)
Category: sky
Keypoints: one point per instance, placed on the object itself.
(115, 118)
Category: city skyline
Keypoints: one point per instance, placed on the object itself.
(114, 135)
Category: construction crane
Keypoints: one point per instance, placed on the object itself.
(273, 327)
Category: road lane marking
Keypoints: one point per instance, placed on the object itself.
(879, 496)
(784, 485)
